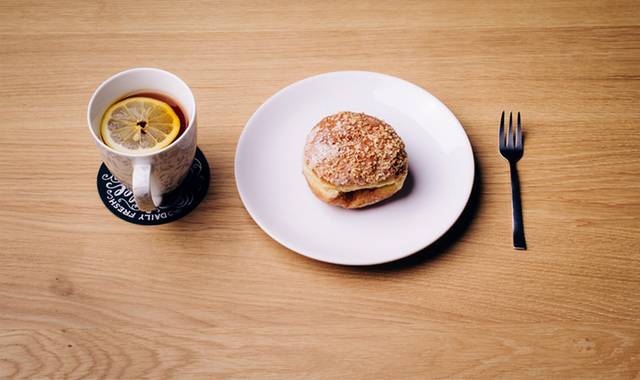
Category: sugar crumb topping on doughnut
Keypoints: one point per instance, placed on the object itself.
(355, 149)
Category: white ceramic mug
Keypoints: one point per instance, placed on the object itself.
(147, 175)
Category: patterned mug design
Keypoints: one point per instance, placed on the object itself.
(147, 176)
(169, 167)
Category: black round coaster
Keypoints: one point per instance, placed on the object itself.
(119, 199)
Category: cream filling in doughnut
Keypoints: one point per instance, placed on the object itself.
(331, 191)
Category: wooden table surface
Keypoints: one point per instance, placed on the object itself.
(86, 295)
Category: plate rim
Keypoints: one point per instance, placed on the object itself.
(305, 252)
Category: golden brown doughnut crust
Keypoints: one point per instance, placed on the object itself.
(353, 160)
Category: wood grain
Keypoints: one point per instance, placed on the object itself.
(211, 296)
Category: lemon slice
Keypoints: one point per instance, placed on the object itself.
(139, 125)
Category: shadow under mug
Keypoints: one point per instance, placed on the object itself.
(147, 175)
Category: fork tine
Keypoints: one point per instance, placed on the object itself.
(501, 134)
(510, 134)
(519, 133)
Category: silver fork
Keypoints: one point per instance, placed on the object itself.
(511, 148)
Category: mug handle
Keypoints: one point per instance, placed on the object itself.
(145, 200)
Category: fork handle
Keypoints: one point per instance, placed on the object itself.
(516, 208)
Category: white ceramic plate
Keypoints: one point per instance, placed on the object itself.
(268, 170)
